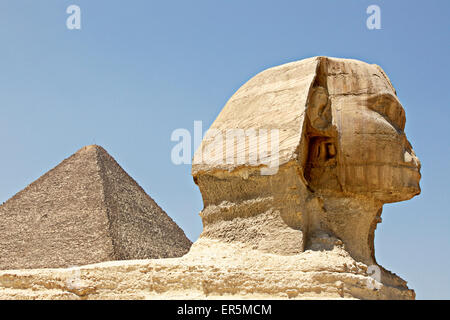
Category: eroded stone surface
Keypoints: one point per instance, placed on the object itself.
(343, 154)
(212, 270)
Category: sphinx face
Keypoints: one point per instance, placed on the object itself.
(375, 156)
(364, 150)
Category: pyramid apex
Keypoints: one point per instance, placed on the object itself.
(92, 147)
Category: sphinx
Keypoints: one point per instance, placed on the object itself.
(303, 230)
(342, 154)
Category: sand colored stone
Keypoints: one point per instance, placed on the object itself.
(85, 210)
(307, 230)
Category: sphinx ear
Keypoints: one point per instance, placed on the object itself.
(319, 109)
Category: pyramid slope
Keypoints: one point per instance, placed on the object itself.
(134, 217)
(85, 210)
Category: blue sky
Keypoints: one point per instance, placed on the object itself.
(137, 70)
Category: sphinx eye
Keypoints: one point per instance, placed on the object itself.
(391, 110)
(380, 109)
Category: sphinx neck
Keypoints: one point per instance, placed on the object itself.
(351, 220)
(262, 213)
(277, 214)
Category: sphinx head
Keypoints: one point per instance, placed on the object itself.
(342, 153)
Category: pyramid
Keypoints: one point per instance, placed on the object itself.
(85, 210)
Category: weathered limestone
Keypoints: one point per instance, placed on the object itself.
(304, 231)
(211, 270)
(85, 210)
(343, 153)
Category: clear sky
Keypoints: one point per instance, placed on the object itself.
(137, 70)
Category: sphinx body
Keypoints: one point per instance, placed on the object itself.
(305, 229)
